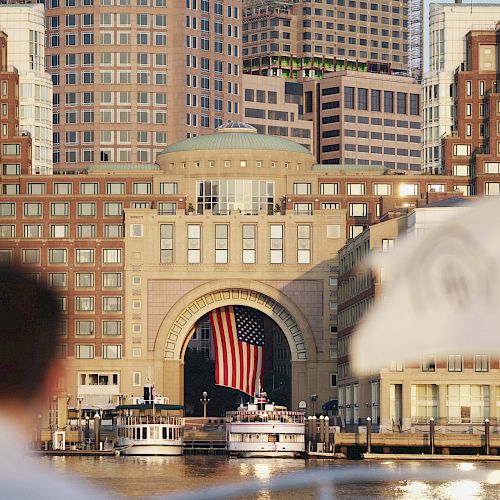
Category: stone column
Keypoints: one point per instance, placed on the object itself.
(442, 409)
(493, 405)
(406, 415)
(385, 404)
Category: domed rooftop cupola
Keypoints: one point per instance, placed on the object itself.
(236, 135)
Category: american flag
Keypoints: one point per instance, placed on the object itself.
(238, 334)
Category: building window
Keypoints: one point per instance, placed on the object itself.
(355, 189)
(330, 188)
(276, 244)
(461, 149)
(112, 256)
(115, 188)
(7, 231)
(349, 97)
(84, 327)
(84, 304)
(221, 243)
(86, 209)
(468, 404)
(111, 304)
(112, 351)
(31, 256)
(58, 256)
(429, 364)
(58, 280)
(408, 190)
(166, 243)
(424, 403)
(303, 208)
(481, 362)
(111, 327)
(455, 363)
(89, 188)
(63, 188)
(111, 280)
(84, 351)
(9, 209)
(86, 230)
(249, 233)
(302, 188)
(382, 189)
(194, 244)
(168, 187)
(303, 244)
(113, 209)
(59, 230)
(461, 170)
(84, 255)
(36, 188)
(136, 230)
(492, 189)
(84, 280)
(358, 209)
(59, 209)
(142, 188)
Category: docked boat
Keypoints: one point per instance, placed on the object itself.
(264, 429)
(147, 427)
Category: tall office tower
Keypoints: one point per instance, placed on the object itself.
(15, 149)
(24, 25)
(274, 106)
(448, 25)
(474, 147)
(365, 119)
(131, 76)
(301, 38)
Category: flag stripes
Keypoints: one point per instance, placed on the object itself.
(238, 340)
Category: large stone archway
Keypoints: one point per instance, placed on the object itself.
(175, 329)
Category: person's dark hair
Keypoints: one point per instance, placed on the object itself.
(29, 319)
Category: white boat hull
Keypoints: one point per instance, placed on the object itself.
(153, 449)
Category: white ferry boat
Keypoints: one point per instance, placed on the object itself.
(263, 429)
(145, 427)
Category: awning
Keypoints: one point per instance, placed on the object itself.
(331, 405)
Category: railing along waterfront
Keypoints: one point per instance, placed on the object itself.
(324, 482)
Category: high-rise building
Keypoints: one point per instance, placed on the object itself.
(15, 148)
(448, 25)
(365, 119)
(274, 106)
(131, 76)
(24, 24)
(300, 39)
(473, 149)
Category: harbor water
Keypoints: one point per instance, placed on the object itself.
(140, 477)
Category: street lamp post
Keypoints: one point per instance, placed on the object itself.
(313, 398)
(204, 401)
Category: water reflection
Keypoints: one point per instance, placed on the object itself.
(138, 477)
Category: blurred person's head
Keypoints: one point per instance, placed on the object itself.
(29, 319)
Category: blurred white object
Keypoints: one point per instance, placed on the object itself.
(442, 295)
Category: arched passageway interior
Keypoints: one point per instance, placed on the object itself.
(199, 369)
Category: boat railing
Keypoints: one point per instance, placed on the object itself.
(151, 420)
(324, 482)
(281, 417)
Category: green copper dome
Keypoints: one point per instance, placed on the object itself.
(236, 135)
